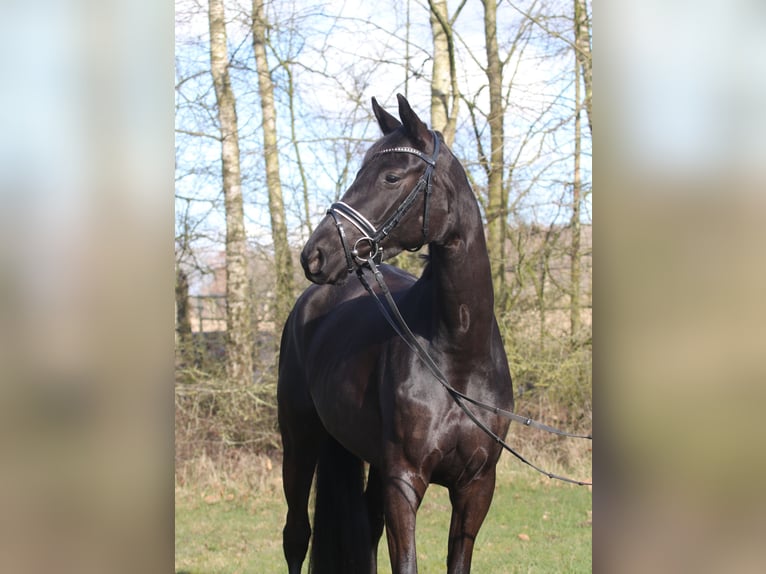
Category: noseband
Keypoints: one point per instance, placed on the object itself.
(372, 236)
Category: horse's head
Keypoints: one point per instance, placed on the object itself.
(393, 204)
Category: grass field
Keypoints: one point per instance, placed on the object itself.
(535, 525)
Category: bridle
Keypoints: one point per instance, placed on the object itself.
(372, 236)
(390, 311)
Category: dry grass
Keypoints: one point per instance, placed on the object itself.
(214, 470)
(227, 440)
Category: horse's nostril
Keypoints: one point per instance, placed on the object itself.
(315, 262)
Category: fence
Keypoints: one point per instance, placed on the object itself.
(207, 313)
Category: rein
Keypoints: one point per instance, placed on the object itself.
(391, 312)
(393, 316)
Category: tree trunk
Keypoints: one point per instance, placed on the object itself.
(574, 308)
(583, 51)
(183, 314)
(239, 335)
(444, 89)
(496, 199)
(407, 53)
(297, 149)
(283, 260)
(287, 66)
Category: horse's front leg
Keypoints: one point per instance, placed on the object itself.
(470, 505)
(403, 493)
(301, 450)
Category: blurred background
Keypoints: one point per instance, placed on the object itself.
(86, 279)
(120, 221)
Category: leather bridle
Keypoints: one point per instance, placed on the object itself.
(374, 236)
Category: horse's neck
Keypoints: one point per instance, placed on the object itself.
(463, 294)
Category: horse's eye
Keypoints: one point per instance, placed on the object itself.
(392, 178)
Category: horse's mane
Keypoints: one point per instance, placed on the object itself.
(426, 259)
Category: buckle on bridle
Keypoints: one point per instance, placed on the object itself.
(375, 253)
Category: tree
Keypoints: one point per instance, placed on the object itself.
(515, 131)
(239, 335)
(282, 257)
(583, 53)
(497, 212)
(445, 94)
(582, 77)
(183, 319)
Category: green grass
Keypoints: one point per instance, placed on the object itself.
(228, 533)
(229, 536)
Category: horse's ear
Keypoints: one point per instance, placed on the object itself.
(386, 121)
(415, 128)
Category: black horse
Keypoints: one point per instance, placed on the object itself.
(350, 390)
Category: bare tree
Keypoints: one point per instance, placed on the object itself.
(496, 209)
(445, 93)
(239, 335)
(515, 132)
(282, 257)
(583, 52)
(582, 72)
(287, 66)
(183, 315)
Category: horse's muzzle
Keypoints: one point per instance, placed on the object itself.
(322, 265)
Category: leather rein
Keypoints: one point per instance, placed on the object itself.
(357, 263)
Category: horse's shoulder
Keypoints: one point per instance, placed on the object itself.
(317, 300)
(320, 301)
(396, 277)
